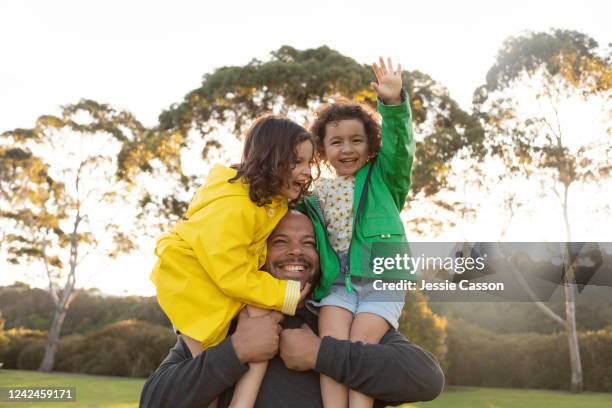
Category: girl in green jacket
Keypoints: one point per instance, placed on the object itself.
(358, 211)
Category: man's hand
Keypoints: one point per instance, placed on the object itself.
(299, 348)
(256, 338)
(389, 84)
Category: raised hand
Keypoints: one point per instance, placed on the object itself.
(389, 84)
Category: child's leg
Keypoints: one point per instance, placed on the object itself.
(247, 388)
(335, 322)
(367, 328)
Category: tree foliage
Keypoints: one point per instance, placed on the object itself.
(554, 67)
(62, 192)
(295, 82)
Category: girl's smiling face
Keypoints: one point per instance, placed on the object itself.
(300, 171)
(346, 146)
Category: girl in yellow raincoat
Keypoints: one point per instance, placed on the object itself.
(209, 265)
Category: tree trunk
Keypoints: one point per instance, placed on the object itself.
(570, 306)
(53, 340)
(572, 335)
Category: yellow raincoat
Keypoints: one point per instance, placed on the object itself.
(209, 266)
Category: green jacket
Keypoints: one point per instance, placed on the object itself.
(377, 207)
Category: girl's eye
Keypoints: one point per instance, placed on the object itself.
(335, 143)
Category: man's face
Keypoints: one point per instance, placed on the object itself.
(292, 250)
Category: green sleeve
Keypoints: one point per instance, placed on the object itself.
(397, 152)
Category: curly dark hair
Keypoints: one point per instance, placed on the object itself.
(335, 112)
(268, 156)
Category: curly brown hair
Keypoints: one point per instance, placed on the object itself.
(335, 112)
(268, 156)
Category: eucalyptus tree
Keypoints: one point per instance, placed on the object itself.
(64, 198)
(530, 107)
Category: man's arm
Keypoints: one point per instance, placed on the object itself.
(186, 381)
(183, 381)
(394, 371)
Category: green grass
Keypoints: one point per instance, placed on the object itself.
(476, 397)
(117, 392)
(91, 390)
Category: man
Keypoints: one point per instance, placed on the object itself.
(393, 372)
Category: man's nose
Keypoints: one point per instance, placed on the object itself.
(295, 249)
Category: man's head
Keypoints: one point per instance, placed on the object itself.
(292, 252)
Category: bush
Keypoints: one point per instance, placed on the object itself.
(128, 348)
(478, 357)
(421, 326)
(17, 340)
(31, 355)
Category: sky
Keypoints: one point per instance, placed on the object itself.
(145, 55)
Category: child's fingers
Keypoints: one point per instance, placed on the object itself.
(383, 68)
(399, 69)
(390, 65)
(305, 291)
(375, 86)
(376, 71)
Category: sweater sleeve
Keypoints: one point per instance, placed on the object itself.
(184, 382)
(398, 146)
(395, 371)
(220, 236)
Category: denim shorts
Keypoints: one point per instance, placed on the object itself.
(363, 298)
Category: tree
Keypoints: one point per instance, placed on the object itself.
(295, 82)
(550, 73)
(65, 197)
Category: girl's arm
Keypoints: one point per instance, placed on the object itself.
(220, 235)
(397, 152)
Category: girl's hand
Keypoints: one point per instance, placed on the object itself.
(389, 84)
(305, 291)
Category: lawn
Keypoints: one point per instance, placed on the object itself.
(476, 397)
(116, 392)
(91, 390)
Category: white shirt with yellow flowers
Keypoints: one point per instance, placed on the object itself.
(336, 198)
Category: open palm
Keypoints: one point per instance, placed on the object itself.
(389, 83)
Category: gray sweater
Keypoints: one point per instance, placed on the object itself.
(394, 372)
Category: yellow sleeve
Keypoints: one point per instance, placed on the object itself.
(220, 235)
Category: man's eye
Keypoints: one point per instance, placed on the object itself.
(310, 243)
(335, 143)
(280, 241)
(358, 141)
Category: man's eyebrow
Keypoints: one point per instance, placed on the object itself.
(278, 234)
